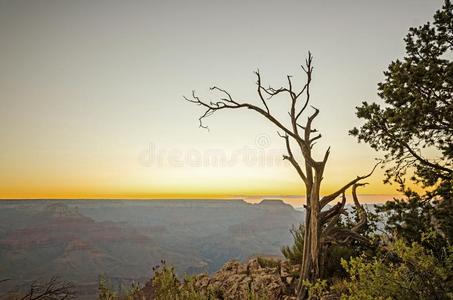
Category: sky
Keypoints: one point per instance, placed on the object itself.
(91, 93)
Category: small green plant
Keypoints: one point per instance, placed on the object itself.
(267, 262)
(317, 289)
(104, 292)
(165, 283)
(294, 252)
(134, 292)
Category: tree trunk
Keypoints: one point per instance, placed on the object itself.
(310, 268)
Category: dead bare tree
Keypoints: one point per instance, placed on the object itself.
(54, 289)
(321, 228)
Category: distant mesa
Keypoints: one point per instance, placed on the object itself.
(272, 202)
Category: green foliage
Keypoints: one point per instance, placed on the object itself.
(165, 283)
(317, 289)
(294, 252)
(267, 263)
(412, 218)
(104, 293)
(133, 293)
(332, 268)
(418, 110)
(403, 271)
(418, 114)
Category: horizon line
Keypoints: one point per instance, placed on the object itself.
(176, 197)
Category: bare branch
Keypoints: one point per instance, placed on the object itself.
(308, 130)
(232, 104)
(315, 138)
(326, 215)
(421, 159)
(229, 99)
(326, 156)
(260, 87)
(290, 87)
(327, 199)
(360, 210)
(308, 71)
(342, 236)
(347, 234)
(53, 289)
(335, 214)
(303, 128)
(291, 159)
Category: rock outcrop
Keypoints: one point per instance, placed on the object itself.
(260, 277)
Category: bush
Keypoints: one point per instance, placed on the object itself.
(404, 271)
(106, 293)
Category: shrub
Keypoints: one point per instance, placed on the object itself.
(404, 271)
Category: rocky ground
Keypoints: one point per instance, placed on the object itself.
(264, 278)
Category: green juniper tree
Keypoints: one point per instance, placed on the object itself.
(413, 126)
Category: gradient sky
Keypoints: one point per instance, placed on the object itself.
(91, 92)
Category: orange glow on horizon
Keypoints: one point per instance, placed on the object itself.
(184, 184)
(274, 194)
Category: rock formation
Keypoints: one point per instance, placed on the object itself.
(263, 277)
